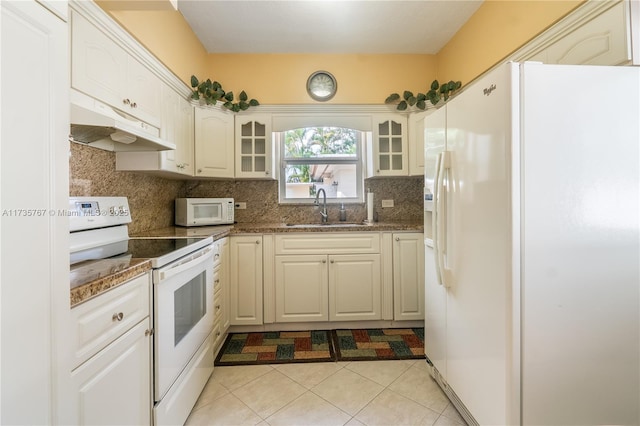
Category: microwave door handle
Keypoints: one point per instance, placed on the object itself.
(196, 259)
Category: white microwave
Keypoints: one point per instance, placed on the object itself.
(204, 211)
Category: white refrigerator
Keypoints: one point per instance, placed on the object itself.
(532, 297)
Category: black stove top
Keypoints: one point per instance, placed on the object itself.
(151, 248)
(163, 251)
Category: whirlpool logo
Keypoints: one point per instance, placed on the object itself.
(487, 91)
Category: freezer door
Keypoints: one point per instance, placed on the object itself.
(477, 243)
(435, 293)
(581, 245)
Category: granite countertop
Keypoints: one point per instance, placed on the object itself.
(91, 278)
(222, 231)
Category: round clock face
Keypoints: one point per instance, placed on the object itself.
(321, 86)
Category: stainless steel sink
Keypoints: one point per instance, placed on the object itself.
(325, 225)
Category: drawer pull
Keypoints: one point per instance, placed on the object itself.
(218, 333)
(218, 307)
(148, 332)
(118, 316)
(217, 281)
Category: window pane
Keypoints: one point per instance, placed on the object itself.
(320, 142)
(304, 180)
(247, 146)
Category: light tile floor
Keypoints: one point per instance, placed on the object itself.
(327, 393)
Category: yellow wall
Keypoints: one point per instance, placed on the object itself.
(163, 31)
(497, 29)
(362, 79)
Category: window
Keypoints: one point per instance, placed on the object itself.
(314, 158)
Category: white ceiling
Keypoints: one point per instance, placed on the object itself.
(320, 26)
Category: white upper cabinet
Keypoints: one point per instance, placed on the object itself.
(254, 147)
(102, 69)
(178, 128)
(214, 143)
(602, 33)
(416, 143)
(389, 153)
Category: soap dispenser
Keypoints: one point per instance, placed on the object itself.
(343, 213)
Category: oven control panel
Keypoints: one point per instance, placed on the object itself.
(97, 212)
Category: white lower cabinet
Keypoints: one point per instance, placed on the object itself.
(245, 275)
(325, 282)
(113, 385)
(408, 276)
(301, 288)
(355, 287)
(326, 277)
(220, 292)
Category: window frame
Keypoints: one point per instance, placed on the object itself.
(358, 161)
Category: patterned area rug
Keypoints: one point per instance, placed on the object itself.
(317, 346)
(376, 343)
(276, 347)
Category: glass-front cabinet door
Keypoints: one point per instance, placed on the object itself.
(390, 146)
(254, 147)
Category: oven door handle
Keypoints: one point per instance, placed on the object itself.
(194, 260)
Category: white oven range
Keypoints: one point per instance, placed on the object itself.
(182, 297)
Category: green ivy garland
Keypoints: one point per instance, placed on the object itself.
(212, 92)
(435, 93)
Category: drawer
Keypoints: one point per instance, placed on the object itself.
(218, 338)
(218, 246)
(100, 321)
(217, 278)
(217, 308)
(333, 243)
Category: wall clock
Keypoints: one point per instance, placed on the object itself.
(321, 86)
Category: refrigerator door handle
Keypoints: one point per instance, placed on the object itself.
(445, 274)
(435, 218)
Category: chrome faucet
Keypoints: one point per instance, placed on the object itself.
(323, 212)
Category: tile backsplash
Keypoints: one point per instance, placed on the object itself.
(92, 172)
(262, 201)
(151, 198)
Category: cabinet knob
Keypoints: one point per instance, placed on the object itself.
(218, 333)
(199, 170)
(266, 173)
(148, 332)
(126, 101)
(324, 260)
(217, 281)
(134, 105)
(117, 317)
(397, 238)
(218, 307)
(257, 241)
(332, 261)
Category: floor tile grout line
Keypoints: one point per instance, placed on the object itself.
(272, 370)
(328, 402)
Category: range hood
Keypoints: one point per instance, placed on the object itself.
(99, 125)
